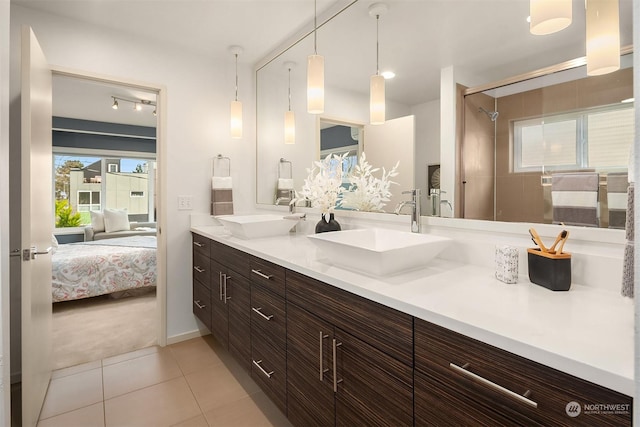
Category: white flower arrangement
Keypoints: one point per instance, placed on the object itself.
(366, 192)
(323, 185)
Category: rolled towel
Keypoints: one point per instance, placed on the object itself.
(285, 184)
(221, 182)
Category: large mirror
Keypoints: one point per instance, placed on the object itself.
(481, 41)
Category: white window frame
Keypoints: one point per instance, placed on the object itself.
(109, 168)
(582, 149)
(91, 204)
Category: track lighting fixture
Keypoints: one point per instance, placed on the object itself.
(137, 103)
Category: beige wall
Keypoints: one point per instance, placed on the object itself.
(119, 187)
(520, 196)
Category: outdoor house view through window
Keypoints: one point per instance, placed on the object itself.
(86, 183)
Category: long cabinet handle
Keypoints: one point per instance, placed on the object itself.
(336, 381)
(264, 316)
(267, 374)
(522, 398)
(198, 304)
(220, 283)
(225, 297)
(198, 269)
(198, 244)
(322, 369)
(261, 274)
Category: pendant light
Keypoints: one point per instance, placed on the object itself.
(289, 116)
(549, 16)
(376, 90)
(603, 37)
(236, 106)
(315, 73)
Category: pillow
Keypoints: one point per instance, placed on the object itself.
(97, 221)
(116, 220)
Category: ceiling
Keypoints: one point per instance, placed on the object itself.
(417, 37)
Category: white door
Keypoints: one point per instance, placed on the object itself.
(37, 227)
(387, 144)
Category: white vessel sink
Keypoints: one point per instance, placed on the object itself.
(255, 226)
(378, 251)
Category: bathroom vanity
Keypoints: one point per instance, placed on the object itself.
(444, 345)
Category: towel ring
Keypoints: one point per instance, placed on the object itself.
(218, 158)
(283, 164)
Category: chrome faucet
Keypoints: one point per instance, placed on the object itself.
(415, 208)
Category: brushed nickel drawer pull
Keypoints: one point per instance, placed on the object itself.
(268, 374)
(264, 316)
(198, 269)
(336, 381)
(261, 274)
(322, 370)
(199, 305)
(198, 244)
(220, 283)
(520, 398)
(225, 288)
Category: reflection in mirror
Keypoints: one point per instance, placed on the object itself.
(564, 126)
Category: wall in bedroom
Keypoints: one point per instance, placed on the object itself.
(199, 90)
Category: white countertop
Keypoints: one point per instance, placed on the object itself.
(586, 332)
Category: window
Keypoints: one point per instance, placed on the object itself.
(85, 183)
(591, 139)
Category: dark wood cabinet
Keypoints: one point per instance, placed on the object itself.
(326, 355)
(329, 357)
(500, 388)
(268, 331)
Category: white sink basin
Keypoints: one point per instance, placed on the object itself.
(255, 226)
(379, 251)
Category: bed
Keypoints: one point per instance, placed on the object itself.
(89, 269)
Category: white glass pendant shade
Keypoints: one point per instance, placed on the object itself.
(315, 84)
(549, 16)
(603, 37)
(289, 127)
(377, 100)
(236, 119)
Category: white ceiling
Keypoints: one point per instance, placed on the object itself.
(417, 37)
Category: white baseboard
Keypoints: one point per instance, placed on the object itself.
(186, 336)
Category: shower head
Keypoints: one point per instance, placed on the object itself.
(493, 115)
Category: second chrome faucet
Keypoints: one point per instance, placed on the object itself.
(415, 208)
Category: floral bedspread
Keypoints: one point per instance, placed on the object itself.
(88, 269)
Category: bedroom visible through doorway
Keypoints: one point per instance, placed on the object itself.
(105, 267)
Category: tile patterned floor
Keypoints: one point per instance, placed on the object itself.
(190, 384)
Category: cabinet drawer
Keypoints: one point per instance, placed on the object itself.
(230, 257)
(202, 303)
(267, 274)
(268, 317)
(201, 245)
(488, 372)
(269, 370)
(382, 327)
(201, 269)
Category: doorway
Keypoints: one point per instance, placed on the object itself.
(118, 141)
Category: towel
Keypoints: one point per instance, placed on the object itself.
(285, 184)
(617, 199)
(628, 264)
(284, 192)
(221, 195)
(574, 197)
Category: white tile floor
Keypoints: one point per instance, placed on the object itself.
(192, 383)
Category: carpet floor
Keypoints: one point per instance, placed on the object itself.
(95, 328)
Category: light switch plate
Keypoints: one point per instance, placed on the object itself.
(185, 203)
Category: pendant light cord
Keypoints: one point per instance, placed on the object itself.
(289, 89)
(315, 26)
(377, 45)
(236, 76)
